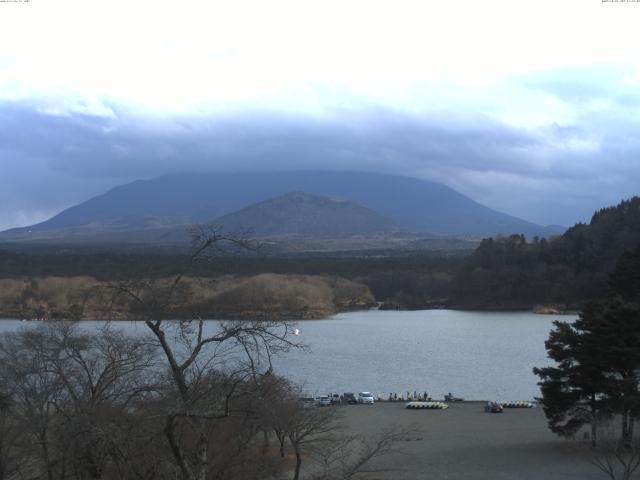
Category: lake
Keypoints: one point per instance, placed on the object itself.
(476, 355)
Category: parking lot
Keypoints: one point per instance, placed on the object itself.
(464, 442)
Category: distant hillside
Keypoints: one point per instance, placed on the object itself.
(306, 214)
(567, 270)
(144, 211)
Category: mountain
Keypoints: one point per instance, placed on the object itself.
(144, 209)
(305, 214)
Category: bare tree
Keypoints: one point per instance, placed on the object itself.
(70, 391)
(351, 456)
(280, 413)
(34, 392)
(11, 435)
(309, 429)
(318, 435)
(615, 457)
(193, 349)
(103, 375)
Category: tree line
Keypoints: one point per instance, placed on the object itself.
(567, 270)
(410, 281)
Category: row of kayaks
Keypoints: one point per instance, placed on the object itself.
(443, 406)
(427, 405)
(518, 404)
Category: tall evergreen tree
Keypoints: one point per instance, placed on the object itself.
(625, 279)
(597, 372)
(574, 391)
(616, 327)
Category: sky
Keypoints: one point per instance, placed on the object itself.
(531, 108)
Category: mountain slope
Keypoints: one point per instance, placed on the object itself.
(414, 205)
(305, 214)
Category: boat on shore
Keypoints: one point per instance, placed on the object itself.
(426, 405)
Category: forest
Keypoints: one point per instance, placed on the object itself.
(566, 270)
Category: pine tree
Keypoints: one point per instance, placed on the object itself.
(616, 326)
(597, 372)
(574, 391)
(625, 279)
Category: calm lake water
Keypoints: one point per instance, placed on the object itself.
(476, 355)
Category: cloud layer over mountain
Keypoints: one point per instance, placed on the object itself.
(554, 174)
(517, 106)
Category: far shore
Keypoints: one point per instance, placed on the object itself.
(291, 317)
(300, 316)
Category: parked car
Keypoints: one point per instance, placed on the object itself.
(365, 398)
(349, 398)
(323, 401)
(450, 398)
(335, 398)
(493, 407)
(308, 402)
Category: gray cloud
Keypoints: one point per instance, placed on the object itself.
(50, 162)
(581, 84)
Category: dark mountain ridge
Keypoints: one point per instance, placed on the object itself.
(180, 199)
(305, 214)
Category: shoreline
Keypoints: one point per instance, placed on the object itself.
(288, 317)
(291, 317)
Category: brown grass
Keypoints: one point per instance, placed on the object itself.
(262, 296)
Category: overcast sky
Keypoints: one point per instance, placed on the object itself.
(530, 107)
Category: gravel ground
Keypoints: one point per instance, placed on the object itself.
(463, 442)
